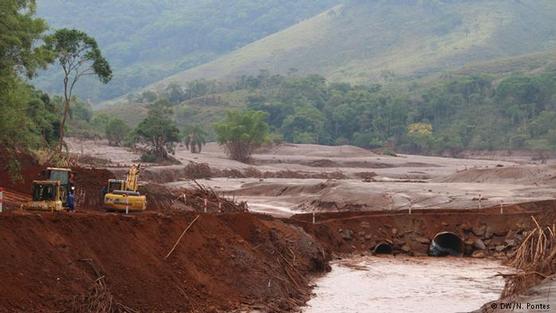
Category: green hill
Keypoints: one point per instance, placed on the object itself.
(148, 40)
(385, 40)
(511, 107)
(212, 104)
(231, 94)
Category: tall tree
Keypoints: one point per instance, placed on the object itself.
(195, 138)
(20, 53)
(304, 126)
(79, 56)
(158, 131)
(20, 32)
(241, 132)
(116, 131)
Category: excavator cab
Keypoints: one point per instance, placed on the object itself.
(115, 184)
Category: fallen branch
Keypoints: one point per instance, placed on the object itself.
(99, 299)
(535, 258)
(181, 236)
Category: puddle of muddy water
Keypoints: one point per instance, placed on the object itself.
(403, 284)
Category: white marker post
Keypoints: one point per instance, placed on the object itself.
(501, 207)
(1, 198)
(206, 204)
(126, 206)
(314, 219)
(391, 200)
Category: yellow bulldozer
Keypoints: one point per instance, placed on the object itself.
(123, 195)
(52, 193)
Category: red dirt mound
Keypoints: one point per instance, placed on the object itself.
(89, 184)
(223, 262)
(30, 170)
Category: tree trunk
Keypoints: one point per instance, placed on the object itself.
(67, 99)
(160, 149)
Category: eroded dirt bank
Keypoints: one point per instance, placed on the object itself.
(223, 262)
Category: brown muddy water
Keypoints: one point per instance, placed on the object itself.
(404, 284)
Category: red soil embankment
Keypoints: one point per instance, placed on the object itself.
(89, 181)
(223, 262)
(88, 185)
(30, 169)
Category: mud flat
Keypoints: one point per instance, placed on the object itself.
(290, 196)
(290, 178)
(300, 158)
(412, 285)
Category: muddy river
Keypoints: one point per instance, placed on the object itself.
(403, 284)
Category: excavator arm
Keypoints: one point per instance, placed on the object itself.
(128, 199)
(132, 180)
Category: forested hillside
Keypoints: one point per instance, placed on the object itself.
(454, 112)
(28, 117)
(388, 40)
(500, 94)
(148, 40)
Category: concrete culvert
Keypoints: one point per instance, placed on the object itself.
(446, 243)
(383, 248)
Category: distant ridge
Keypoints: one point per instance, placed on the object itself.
(384, 40)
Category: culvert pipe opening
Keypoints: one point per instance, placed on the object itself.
(446, 243)
(383, 248)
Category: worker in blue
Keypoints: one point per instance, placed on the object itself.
(71, 193)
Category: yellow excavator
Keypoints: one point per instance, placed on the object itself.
(123, 195)
(53, 193)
